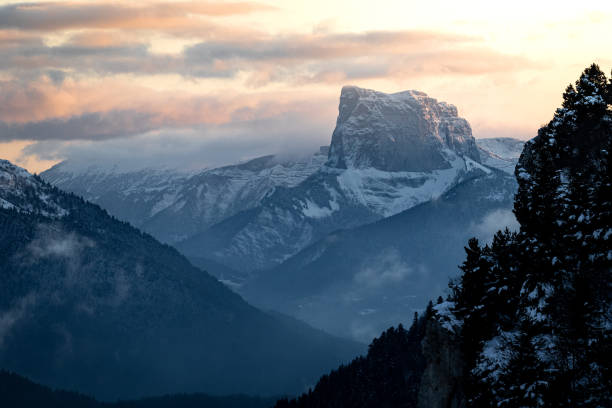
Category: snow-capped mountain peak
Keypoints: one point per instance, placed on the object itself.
(388, 153)
(404, 131)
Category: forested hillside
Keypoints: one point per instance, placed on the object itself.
(535, 307)
(387, 377)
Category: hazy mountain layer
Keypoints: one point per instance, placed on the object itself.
(360, 281)
(388, 153)
(172, 205)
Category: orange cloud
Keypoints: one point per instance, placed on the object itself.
(76, 15)
(113, 108)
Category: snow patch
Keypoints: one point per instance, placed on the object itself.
(446, 317)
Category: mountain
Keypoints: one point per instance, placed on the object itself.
(389, 153)
(135, 196)
(261, 225)
(528, 322)
(173, 205)
(357, 282)
(404, 131)
(18, 391)
(500, 152)
(92, 304)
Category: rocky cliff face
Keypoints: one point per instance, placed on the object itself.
(441, 383)
(404, 131)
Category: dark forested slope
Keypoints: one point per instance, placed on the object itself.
(535, 308)
(387, 377)
(19, 392)
(91, 304)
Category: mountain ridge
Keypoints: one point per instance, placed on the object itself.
(356, 186)
(253, 216)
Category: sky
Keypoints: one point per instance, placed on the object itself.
(200, 84)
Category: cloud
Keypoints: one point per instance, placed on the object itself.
(363, 331)
(74, 102)
(41, 111)
(78, 280)
(95, 125)
(494, 221)
(64, 246)
(55, 243)
(74, 15)
(10, 317)
(387, 268)
(121, 288)
(288, 133)
(293, 58)
(322, 46)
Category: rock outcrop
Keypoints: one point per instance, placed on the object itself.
(441, 384)
(404, 131)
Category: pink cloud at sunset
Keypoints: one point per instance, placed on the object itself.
(73, 72)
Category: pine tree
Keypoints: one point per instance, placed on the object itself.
(535, 305)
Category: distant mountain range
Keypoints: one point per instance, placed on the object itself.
(401, 168)
(363, 280)
(173, 205)
(92, 304)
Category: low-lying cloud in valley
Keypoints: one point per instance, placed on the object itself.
(495, 221)
(388, 268)
(11, 316)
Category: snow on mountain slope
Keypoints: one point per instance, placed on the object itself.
(172, 205)
(389, 193)
(388, 154)
(21, 191)
(500, 152)
(359, 281)
(331, 199)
